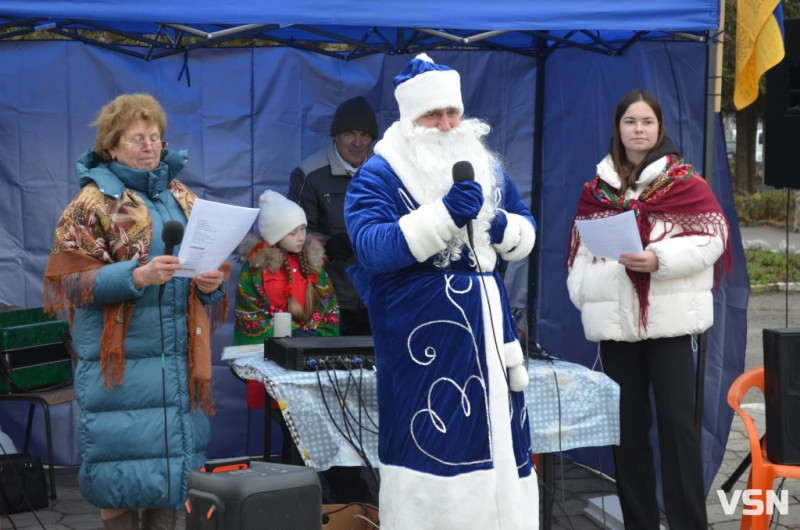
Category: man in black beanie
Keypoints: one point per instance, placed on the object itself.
(319, 184)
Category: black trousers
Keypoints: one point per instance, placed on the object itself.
(668, 366)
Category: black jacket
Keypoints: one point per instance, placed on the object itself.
(319, 185)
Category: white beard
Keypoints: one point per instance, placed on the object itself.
(423, 159)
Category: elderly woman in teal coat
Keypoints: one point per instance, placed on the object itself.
(144, 362)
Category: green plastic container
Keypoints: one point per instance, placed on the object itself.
(34, 351)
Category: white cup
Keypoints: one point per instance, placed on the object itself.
(282, 325)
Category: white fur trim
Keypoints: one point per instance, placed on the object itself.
(512, 352)
(427, 230)
(435, 89)
(518, 238)
(518, 378)
(511, 235)
(517, 373)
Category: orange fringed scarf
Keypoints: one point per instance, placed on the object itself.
(96, 230)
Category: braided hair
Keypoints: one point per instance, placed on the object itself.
(300, 313)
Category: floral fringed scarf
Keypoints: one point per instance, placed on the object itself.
(678, 197)
(96, 230)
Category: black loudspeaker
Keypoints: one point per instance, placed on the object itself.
(262, 496)
(782, 394)
(782, 115)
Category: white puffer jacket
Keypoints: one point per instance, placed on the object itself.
(681, 301)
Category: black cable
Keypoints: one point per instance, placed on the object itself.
(563, 504)
(347, 438)
(501, 360)
(350, 430)
(164, 402)
(360, 400)
(362, 406)
(491, 320)
(362, 403)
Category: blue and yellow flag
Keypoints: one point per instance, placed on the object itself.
(759, 46)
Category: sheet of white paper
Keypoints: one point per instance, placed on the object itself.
(611, 236)
(244, 350)
(213, 231)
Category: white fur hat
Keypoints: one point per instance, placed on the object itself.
(278, 216)
(424, 86)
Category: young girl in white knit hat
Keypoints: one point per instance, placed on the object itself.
(282, 271)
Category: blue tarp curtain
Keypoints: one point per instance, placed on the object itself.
(248, 118)
(249, 115)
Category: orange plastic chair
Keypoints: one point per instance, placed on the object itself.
(763, 472)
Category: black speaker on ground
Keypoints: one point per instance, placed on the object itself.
(263, 495)
(782, 394)
(782, 115)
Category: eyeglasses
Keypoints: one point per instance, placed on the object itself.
(141, 144)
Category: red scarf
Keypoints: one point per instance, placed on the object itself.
(678, 197)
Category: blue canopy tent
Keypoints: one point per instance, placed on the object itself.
(545, 75)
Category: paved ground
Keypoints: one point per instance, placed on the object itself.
(575, 485)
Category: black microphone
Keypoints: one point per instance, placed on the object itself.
(171, 235)
(463, 171)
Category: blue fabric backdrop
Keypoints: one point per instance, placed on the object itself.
(249, 115)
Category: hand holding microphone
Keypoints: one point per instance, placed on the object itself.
(465, 198)
(171, 235)
(161, 269)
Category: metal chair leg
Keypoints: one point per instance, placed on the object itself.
(50, 459)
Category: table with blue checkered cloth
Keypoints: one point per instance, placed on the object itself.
(333, 414)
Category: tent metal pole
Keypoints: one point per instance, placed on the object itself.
(534, 260)
(713, 92)
(221, 33)
(459, 39)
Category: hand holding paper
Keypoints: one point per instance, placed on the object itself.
(213, 231)
(610, 237)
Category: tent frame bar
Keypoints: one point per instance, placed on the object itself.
(461, 40)
(167, 38)
(216, 35)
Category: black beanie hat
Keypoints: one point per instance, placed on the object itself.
(355, 115)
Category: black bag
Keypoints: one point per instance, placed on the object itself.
(22, 484)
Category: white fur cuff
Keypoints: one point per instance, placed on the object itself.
(427, 230)
(518, 238)
(512, 352)
(518, 378)
(517, 372)
(511, 235)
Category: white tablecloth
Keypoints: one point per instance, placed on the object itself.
(569, 406)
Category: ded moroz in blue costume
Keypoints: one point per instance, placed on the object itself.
(454, 440)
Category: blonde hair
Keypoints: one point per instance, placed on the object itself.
(118, 114)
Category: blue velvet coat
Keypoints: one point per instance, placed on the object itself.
(439, 387)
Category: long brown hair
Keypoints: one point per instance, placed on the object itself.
(628, 171)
